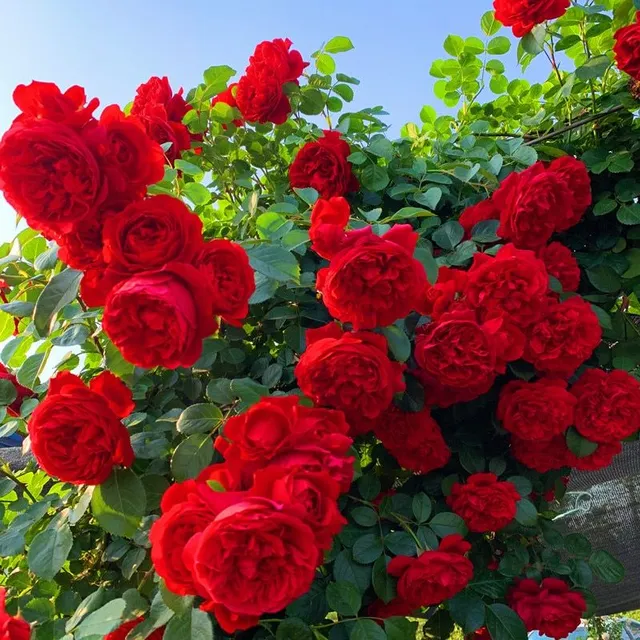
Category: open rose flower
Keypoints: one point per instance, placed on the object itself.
(523, 15)
(350, 372)
(561, 264)
(627, 41)
(159, 318)
(541, 456)
(329, 217)
(574, 172)
(484, 503)
(76, 433)
(323, 165)
(445, 294)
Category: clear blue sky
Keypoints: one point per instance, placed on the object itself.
(111, 46)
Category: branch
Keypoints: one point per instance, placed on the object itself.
(6, 471)
(575, 125)
(526, 136)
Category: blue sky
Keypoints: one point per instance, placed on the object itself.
(111, 46)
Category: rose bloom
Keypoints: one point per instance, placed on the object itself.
(483, 210)
(627, 44)
(533, 204)
(561, 264)
(537, 410)
(608, 408)
(81, 248)
(49, 176)
(277, 54)
(257, 543)
(373, 280)
(601, 458)
(484, 503)
(460, 357)
(45, 101)
(564, 338)
(313, 496)
(576, 176)
(12, 627)
(76, 433)
(523, 15)
(413, 439)
(549, 607)
(512, 284)
(129, 158)
(445, 294)
(350, 372)
(228, 96)
(323, 165)
(329, 217)
(260, 97)
(22, 393)
(394, 608)
(159, 318)
(122, 631)
(434, 576)
(225, 265)
(547, 455)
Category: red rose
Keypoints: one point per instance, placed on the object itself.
(329, 217)
(626, 48)
(76, 433)
(45, 101)
(260, 97)
(483, 210)
(513, 284)
(561, 264)
(256, 556)
(276, 54)
(523, 15)
(574, 173)
(81, 248)
(414, 439)
(460, 357)
(564, 338)
(350, 372)
(444, 294)
(601, 458)
(123, 630)
(159, 318)
(434, 576)
(323, 165)
(49, 176)
(537, 410)
(533, 204)
(608, 408)
(480, 634)
(547, 455)
(549, 607)
(12, 627)
(129, 158)
(228, 96)
(395, 608)
(373, 280)
(225, 265)
(22, 393)
(484, 503)
(311, 495)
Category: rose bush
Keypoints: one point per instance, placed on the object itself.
(320, 383)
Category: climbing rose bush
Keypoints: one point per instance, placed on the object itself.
(318, 381)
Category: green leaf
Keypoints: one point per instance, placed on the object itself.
(191, 456)
(620, 162)
(579, 446)
(89, 604)
(59, 292)
(578, 545)
(74, 335)
(400, 543)
(533, 42)
(522, 484)
(193, 625)
(118, 504)
(468, 611)
(308, 194)
(383, 584)
(216, 78)
(421, 507)
(325, 64)
(504, 623)
(629, 214)
(369, 487)
(28, 373)
(8, 392)
(248, 390)
(490, 26)
(593, 68)
(498, 45)
(606, 567)
(448, 235)
(525, 155)
(526, 514)
(357, 158)
(445, 524)
(187, 167)
(199, 418)
(399, 343)
(602, 207)
(604, 278)
(47, 259)
(339, 44)
(603, 317)
(344, 91)
(312, 606)
(367, 630)
(344, 598)
(101, 622)
(274, 262)
(49, 550)
(382, 147)
(454, 45)
(367, 548)
(197, 193)
(374, 178)
(426, 259)
(400, 628)
(313, 101)
(430, 198)
(293, 629)
(345, 568)
(18, 309)
(485, 231)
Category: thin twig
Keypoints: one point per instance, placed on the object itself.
(526, 136)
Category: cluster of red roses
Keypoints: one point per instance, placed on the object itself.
(259, 95)
(82, 182)
(263, 517)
